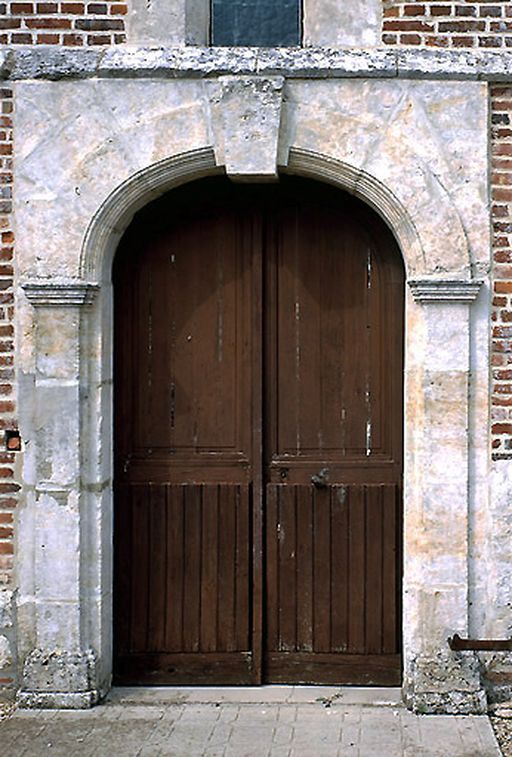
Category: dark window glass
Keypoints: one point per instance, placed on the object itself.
(263, 23)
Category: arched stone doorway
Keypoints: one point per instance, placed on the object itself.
(258, 430)
(73, 316)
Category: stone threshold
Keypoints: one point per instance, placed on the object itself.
(260, 695)
(126, 61)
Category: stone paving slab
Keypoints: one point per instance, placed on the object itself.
(322, 724)
(255, 694)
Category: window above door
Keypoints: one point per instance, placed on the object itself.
(266, 23)
(256, 23)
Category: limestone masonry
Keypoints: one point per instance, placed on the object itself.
(106, 106)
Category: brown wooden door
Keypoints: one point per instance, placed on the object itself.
(258, 437)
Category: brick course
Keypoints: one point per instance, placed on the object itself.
(62, 23)
(463, 24)
(501, 193)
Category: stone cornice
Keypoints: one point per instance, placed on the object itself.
(126, 61)
(444, 290)
(60, 293)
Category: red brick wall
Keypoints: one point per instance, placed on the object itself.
(62, 23)
(501, 192)
(477, 23)
(8, 487)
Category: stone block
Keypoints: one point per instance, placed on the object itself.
(6, 656)
(54, 64)
(59, 671)
(330, 23)
(58, 679)
(449, 683)
(6, 609)
(246, 115)
(62, 700)
(161, 22)
(497, 676)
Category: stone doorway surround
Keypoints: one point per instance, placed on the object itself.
(65, 544)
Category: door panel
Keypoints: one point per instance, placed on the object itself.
(331, 583)
(184, 290)
(334, 446)
(334, 335)
(258, 429)
(185, 351)
(186, 587)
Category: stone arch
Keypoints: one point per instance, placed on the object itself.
(367, 188)
(114, 215)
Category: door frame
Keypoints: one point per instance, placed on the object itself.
(439, 324)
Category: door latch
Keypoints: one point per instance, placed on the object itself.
(320, 479)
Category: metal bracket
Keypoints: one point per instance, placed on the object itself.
(457, 644)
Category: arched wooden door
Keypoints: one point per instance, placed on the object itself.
(258, 439)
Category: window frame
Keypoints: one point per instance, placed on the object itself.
(300, 30)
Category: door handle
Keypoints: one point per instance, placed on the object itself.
(320, 479)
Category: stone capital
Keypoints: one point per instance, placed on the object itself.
(59, 293)
(430, 290)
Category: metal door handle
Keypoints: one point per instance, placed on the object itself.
(321, 478)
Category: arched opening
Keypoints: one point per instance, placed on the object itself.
(258, 438)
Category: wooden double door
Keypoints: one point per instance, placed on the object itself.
(258, 439)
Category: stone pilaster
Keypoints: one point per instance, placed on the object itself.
(436, 528)
(60, 670)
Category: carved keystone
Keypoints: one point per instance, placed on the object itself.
(246, 115)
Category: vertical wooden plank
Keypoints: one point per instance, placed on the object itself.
(373, 571)
(287, 568)
(209, 568)
(123, 567)
(227, 568)
(123, 364)
(157, 556)
(144, 399)
(340, 567)
(357, 540)
(175, 538)
(304, 559)
(353, 327)
(271, 568)
(257, 252)
(192, 569)
(322, 569)
(391, 538)
(140, 570)
(243, 568)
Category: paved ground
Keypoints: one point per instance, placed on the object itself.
(292, 722)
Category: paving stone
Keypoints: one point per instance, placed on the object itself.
(234, 729)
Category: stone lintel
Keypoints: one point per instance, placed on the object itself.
(129, 61)
(60, 293)
(444, 290)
